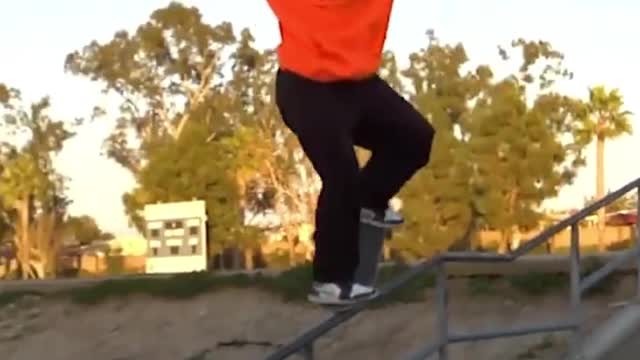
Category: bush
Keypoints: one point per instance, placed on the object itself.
(483, 285)
(620, 245)
(293, 284)
(412, 291)
(537, 284)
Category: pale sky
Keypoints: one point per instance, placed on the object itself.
(597, 38)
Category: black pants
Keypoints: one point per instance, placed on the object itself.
(329, 119)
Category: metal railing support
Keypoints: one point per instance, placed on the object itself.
(304, 343)
(442, 295)
(576, 306)
(594, 278)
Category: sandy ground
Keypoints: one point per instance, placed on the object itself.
(248, 324)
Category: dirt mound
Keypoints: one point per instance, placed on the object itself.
(248, 324)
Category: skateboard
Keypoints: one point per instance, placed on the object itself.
(338, 308)
(371, 241)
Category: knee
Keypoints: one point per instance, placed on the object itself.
(421, 144)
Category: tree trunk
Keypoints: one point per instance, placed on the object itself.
(23, 237)
(248, 259)
(507, 235)
(516, 238)
(221, 264)
(600, 190)
(291, 241)
(466, 241)
(237, 259)
(38, 269)
(505, 242)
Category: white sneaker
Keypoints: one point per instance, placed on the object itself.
(336, 294)
(387, 219)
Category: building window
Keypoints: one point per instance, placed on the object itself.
(171, 225)
(194, 249)
(154, 251)
(174, 250)
(193, 230)
(154, 233)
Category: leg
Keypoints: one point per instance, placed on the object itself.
(323, 125)
(399, 138)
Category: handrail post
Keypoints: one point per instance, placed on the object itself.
(637, 243)
(576, 310)
(442, 294)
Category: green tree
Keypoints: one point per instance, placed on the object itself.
(192, 168)
(498, 152)
(608, 121)
(174, 104)
(625, 203)
(437, 201)
(166, 74)
(31, 190)
(525, 153)
(5, 225)
(270, 157)
(5, 94)
(84, 230)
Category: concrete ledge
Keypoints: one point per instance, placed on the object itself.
(610, 340)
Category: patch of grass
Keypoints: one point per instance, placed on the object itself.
(293, 284)
(483, 285)
(176, 287)
(7, 298)
(538, 284)
(412, 291)
(605, 286)
(546, 343)
(584, 250)
(493, 248)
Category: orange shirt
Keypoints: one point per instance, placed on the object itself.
(329, 40)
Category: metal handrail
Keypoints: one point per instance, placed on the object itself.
(304, 343)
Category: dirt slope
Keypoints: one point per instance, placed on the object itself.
(247, 324)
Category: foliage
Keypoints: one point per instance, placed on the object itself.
(626, 202)
(608, 120)
(271, 168)
(169, 77)
(165, 74)
(199, 134)
(31, 191)
(292, 286)
(197, 169)
(499, 151)
(83, 230)
(186, 129)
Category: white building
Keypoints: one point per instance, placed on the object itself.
(176, 236)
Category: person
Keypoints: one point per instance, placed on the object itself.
(329, 95)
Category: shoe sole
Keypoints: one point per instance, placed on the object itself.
(382, 225)
(319, 300)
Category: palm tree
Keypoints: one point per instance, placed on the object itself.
(608, 121)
